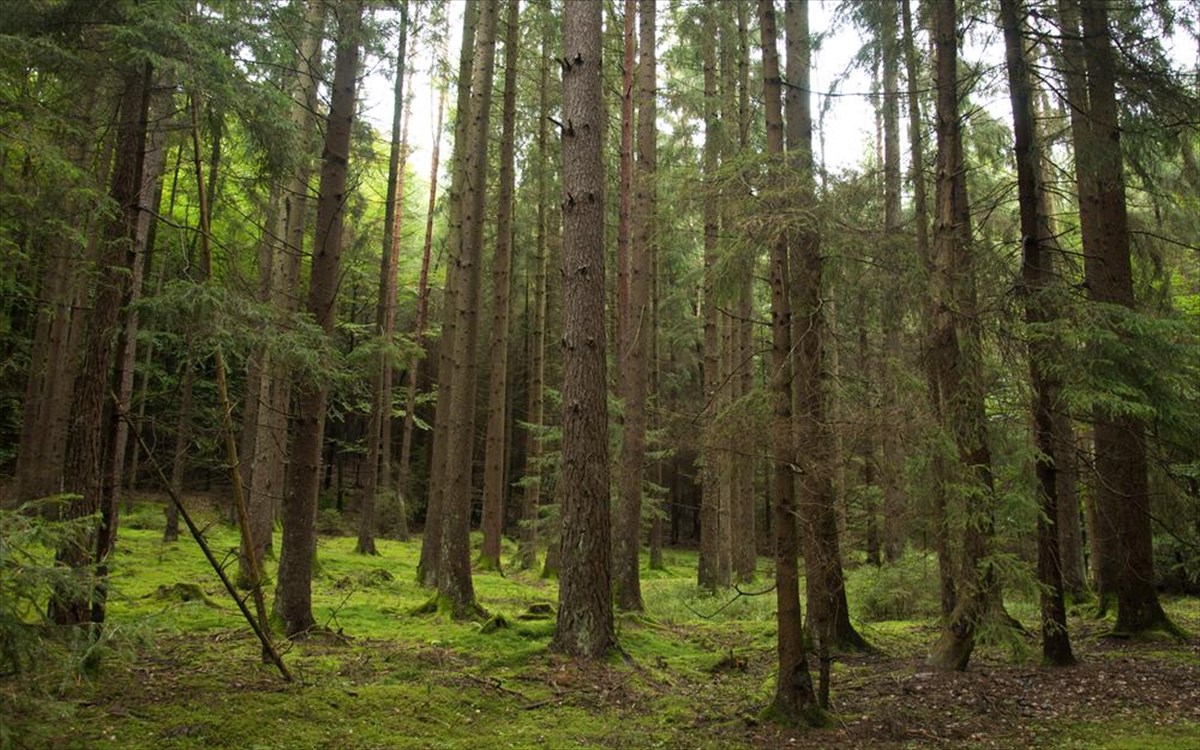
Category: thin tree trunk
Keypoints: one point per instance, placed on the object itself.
(429, 566)
(87, 454)
(955, 351)
(745, 538)
(892, 465)
(1056, 646)
(710, 500)
(795, 700)
(1122, 492)
(268, 479)
(823, 560)
(403, 491)
(628, 531)
(537, 380)
(379, 470)
(495, 486)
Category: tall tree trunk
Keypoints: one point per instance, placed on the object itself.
(1122, 489)
(429, 565)
(956, 358)
(293, 601)
(708, 575)
(745, 539)
(635, 365)
(455, 587)
(379, 470)
(1056, 646)
(495, 486)
(585, 612)
(91, 414)
(795, 700)
(892, 466)
(537, 378)
(823, 560)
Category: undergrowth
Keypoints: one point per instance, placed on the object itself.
(177, 667)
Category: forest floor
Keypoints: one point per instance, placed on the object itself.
(178, 668)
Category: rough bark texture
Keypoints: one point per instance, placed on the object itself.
(89, 448)
(1035, 271)
(709, 574)
(431, 542)
(795, 700)
(635, 360)
(293, 599)
(585, 613)
(495, 486)
(1122, 488)
(745, 540)
(823, 560)
(955, 354)
(454, 566)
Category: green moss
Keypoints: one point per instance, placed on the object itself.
(697, 671)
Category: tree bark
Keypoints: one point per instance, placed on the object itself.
(1035, 272)
(537, 379)
(955, 356)
(634, 365)
(88, 455)
(795, 700)
(709, 574)
(431, 541)
(293, 601)
(825, 581)
(454, 584)
(892, 465)
(585, 613)
(1122, 492)
(495, 485)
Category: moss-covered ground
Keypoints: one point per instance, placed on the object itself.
(178, 668)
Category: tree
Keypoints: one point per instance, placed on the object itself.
(585, 615)
(795, 701)
(954, 351)
(1122, 493)
(709, 573)
(495, 488)
(293, 598)
(823, 561)
(270, 444)
(454, 564)
(537, 366)
(634, 365)
(379, 448)
(431, 541)
(91, 436)
(1056, 646)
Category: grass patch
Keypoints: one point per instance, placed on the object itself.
(179, 668)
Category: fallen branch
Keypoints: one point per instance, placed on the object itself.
(740, 594)
(263, 636)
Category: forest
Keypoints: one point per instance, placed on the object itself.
(599, 373)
